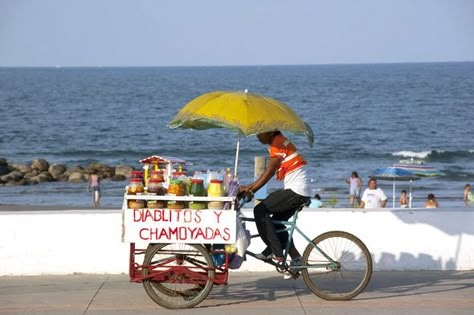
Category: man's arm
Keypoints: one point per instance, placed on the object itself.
(362, 200)
(272, 167)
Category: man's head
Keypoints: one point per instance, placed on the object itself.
(267, 137)
(372, 183)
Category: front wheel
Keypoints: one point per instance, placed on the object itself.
(345, 274)
(177, 275)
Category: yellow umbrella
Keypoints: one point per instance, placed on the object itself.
(246, 113)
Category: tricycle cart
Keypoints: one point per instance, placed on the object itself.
(178, 261)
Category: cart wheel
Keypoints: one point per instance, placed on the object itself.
(179, 273)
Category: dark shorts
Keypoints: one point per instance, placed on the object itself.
(281, 201)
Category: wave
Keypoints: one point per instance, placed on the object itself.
(412, 154)
(436, 155)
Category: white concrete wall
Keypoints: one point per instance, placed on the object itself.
(79, 241)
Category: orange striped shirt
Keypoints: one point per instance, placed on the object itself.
(291, 160)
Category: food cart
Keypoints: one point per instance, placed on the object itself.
(178, 254)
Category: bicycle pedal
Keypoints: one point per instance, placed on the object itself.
(289, 275)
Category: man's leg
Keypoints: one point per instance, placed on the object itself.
(277, 203)
(266, 230)
(284, 236)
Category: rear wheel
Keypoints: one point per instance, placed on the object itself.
(346, 276)
(179, 274)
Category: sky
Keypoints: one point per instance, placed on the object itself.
(241, 32)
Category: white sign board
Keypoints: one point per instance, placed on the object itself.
(179, 226)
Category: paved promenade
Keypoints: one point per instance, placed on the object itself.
(400, 292)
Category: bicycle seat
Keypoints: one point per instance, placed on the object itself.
(306, 203)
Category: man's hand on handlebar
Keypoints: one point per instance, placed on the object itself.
(244, 194)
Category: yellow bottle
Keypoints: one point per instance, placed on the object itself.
(215, 189)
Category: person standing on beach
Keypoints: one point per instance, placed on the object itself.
(316, 202)
(468, 197)
(403, 199)
(373, 197)
(289, 167)
(355, 186)
(94, 184)
(431, 202)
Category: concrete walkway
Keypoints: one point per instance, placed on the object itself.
(400, 292)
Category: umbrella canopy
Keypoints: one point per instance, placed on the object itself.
(394, 174)
(246, 113)
(420, 170)
(240, 111)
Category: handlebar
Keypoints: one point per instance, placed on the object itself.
(243, 198)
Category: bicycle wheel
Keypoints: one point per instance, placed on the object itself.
(180, 274)
(345, 278)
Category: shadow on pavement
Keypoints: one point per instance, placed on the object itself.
(383, 285)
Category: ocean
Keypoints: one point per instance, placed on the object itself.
(364, 117)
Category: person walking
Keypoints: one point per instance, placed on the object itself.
(355, 186)
(468, 197)
(94, 184)
(289, 167)
(373, 197)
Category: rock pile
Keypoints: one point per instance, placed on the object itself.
(41, 171)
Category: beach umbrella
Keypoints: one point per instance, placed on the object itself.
(394, 174)
(245, 113)
(420, 170)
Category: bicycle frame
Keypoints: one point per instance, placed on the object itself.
(291, 227)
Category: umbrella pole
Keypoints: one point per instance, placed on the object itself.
(393, 204)
(237, 155)
(409, 195)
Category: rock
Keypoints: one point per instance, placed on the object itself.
(40, 165)
(62, 178)
(99, 167)
(108, 174)
(4, 170)
(4, 167)
(118, 177)
(41, 171)
(124, 170)
(31, 181)
(56, 170)
(44, 177)
(74, 169)
(29, 176)
(12, 176)
(12, 183)
(24, 168)
(76, 177)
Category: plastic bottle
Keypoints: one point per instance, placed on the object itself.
(227, 179)
(216, 189)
